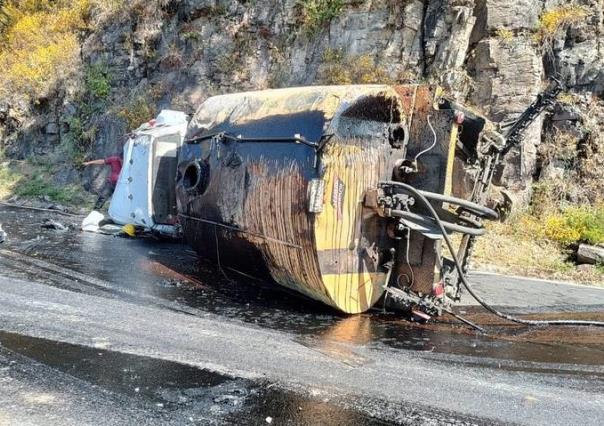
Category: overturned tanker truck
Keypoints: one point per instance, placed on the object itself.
(342, 193)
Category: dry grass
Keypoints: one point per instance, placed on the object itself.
(505, 36)
(552, 21)
(8, 180)
(519, 247)
(340, 68)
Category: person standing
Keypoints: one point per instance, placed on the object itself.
(115, 162)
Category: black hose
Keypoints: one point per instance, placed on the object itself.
(464, 281)
(464, 204)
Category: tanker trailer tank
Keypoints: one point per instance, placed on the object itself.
(301, 187)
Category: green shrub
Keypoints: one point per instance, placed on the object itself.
(98, 81)
(33, 177)
(317, 13)
(36, 186)
(576, 225)
(588, 221)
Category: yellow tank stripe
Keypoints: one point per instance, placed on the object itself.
(364, 293)
(338, 227)
(451, 159)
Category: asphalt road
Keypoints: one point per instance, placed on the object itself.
(526, 294)
(101, 330)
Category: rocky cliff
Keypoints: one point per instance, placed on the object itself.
(493, 54)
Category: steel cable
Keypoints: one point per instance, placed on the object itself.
(419, 154)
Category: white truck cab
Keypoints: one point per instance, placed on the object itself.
(145, 192)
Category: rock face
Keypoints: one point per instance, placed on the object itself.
(512, 15)
(507, 79)
(590, 254)
(174, 54)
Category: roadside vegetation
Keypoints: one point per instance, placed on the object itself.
(567, 203)
(32, 179)
(554, 19)
(339, 68)
(316, 14)
(543, 247)
(40, 61)
(40, 43)
(542, 240)
(39, 51)
(39, 39)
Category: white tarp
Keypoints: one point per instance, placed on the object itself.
(92, 222)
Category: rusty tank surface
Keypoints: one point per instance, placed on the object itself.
(305, 187)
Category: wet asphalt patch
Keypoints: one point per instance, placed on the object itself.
(170, 275)
(170, 387)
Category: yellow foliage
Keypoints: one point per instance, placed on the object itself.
(557, 229)
(39, 44)
(565, 226)
(554, 19)
(576, 224)
(567, 98)
(504, 35)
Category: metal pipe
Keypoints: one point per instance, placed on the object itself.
(425, 220)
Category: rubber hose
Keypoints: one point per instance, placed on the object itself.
(468, 205)
(464, 281)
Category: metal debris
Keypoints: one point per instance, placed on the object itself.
(53, 224)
